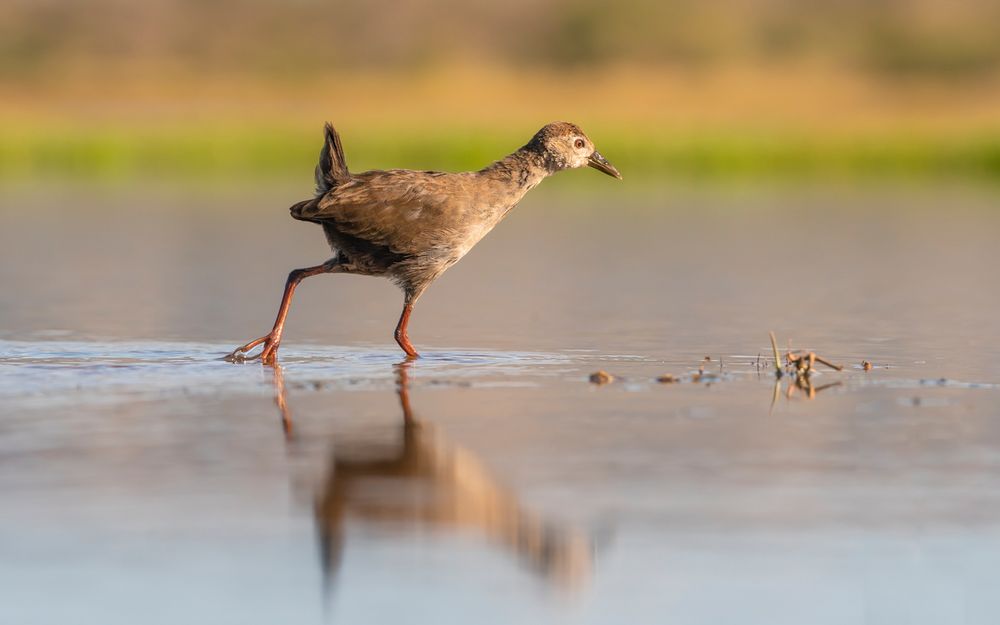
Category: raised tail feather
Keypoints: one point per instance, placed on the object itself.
(332, 168)
(331, 172)
(302, 210)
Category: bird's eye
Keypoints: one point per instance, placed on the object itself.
(579, 143)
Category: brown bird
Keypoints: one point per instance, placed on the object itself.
(410, 226)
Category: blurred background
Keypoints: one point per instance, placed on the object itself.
(825, 169)
(110, 89)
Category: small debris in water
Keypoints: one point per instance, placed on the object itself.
(601, 377)
(867, 366)
(801, 364)
(701, 367)
(937, 382)
(805, 364)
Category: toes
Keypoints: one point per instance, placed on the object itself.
(240, 356)
(252, 344)
(236, 357)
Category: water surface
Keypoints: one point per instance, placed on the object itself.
(145, 480)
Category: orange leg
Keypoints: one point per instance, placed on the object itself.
(401, 336)
(272, 339)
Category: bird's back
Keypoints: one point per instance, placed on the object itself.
(407, 211)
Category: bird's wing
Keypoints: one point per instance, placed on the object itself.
(405, 211)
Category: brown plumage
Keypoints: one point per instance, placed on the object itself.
(410, 226)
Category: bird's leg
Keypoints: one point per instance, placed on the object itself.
(272, 339)
(401, 336)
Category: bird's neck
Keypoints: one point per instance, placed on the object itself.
(520, 171)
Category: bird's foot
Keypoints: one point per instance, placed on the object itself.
(404, 343)
(267, 355)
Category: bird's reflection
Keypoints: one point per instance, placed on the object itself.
(428, 483)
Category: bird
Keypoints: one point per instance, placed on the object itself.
(411, 226)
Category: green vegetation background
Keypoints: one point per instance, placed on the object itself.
(108, 91)
(111, 154)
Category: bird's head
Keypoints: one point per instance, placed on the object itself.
(565, 146)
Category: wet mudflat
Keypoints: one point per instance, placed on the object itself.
(144, 480)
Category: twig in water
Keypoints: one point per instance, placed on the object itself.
(829, 364)
(805, 364)
(777, 359)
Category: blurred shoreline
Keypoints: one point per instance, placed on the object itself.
(675, 90)
(799, 125)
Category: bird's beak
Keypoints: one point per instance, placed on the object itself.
(600, 163)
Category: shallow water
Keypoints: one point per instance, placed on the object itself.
(145, 480)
